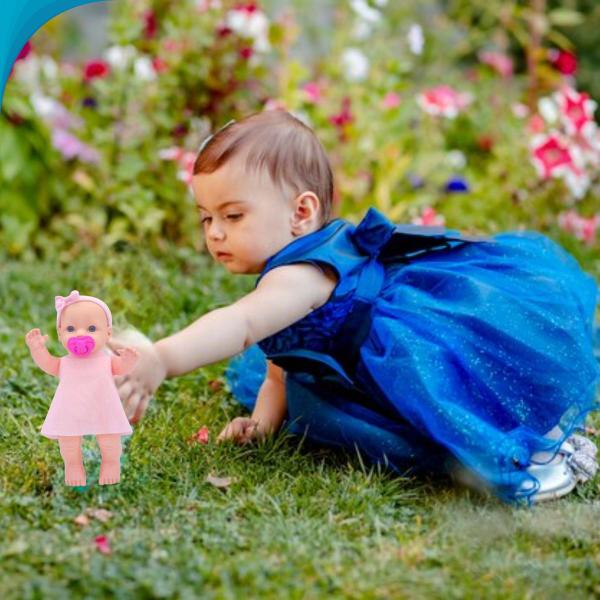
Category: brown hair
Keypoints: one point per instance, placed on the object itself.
(277, 140)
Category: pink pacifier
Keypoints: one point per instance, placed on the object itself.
(81, 345)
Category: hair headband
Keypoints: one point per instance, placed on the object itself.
(61, 302)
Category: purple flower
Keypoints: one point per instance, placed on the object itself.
(416, 181)
(456, 184)
(89, 102)
(71, 147)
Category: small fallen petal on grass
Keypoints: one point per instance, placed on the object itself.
(215, 385)
(82, 520)
(102, 544)
(219, 482)
(200, 437)
(100, 514)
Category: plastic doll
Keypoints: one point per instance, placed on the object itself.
(86, 401)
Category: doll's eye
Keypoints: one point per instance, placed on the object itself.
(70, 328)
(92, 328)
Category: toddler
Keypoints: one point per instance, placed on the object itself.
(421, 347)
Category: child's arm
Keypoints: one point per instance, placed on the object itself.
(283, 296)
(43, 359)
(268, 414)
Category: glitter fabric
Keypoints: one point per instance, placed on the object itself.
(469, 350)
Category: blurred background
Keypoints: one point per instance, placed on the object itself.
(480, 115)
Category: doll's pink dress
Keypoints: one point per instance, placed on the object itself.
(86, 401)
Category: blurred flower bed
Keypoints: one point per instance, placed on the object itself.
(427, 114)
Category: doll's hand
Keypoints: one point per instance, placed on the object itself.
(137, 388)
(35, 340)
(241, 431)
(129, 357)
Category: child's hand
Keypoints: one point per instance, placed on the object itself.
(137, 388)
(35, 340)
(241, 431)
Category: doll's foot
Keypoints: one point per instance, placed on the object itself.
(75, 474)
(110, 472)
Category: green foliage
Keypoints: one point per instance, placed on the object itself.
(391, 155)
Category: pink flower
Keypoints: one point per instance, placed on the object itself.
(312, 92)
(443, 100)
(71, 147)
(429, 218)
(345, 116)
(576, 111)
(500, 62)
(564, 62)
(551, 155)
(536, 124)
(202, 435)
(247, 7)
(184, 159)
(95, 69)
(102, 544)
(581, 227)
(390, 100)
(160, 66)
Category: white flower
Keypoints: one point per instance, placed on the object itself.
(415, 39)
(364, 11)
(355, 64)
(548, 110)
(253, 25)
(362, 30)
(456, 159)
(44, 106)
(120, 57)
(144, 70)
(28, 72)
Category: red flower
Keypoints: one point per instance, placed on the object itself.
(345, 116)
(95, 69)
(25, 50)
(564, 62)
(485, 143)
(223, 31)
(150, 24)
(102, 544)
(248, 7)
(246, 52)
(160, 66)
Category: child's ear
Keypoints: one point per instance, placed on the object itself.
(305, 217)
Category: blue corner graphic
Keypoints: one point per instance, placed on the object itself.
(19, 20)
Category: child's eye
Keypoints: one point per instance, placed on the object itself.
(234, 217)
(70, 328)
(92, 328)
(205, 219)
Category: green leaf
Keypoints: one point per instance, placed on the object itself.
(563, 17)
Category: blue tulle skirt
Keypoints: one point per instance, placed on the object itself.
(474, 354)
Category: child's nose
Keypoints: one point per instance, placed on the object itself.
(215, 231)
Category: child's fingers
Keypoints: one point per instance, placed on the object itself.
(141, 407)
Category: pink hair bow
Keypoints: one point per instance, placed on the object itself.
(61, 301)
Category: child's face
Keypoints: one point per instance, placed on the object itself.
(245, 216)
(84, 319)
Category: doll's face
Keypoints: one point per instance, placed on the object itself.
(84, 319)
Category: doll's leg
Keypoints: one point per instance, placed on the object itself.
(70, 450)
(110, 467)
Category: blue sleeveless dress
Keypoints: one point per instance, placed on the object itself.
(436, 349)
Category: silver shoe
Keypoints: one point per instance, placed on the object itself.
(556, 479)
(582, 444)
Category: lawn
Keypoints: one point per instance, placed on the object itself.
(295, 522)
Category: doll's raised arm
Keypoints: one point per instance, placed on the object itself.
(283, 296)
(36, 343)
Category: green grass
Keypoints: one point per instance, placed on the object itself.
(295, 523)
